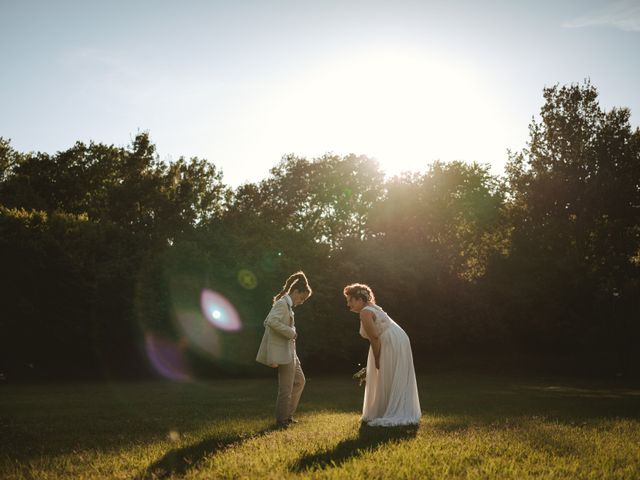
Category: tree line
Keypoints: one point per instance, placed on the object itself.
(103, 248)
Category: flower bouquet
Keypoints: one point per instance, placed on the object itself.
(361, 376)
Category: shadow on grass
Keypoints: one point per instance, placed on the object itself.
(368, 439)
(179, 461)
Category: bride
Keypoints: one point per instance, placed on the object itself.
(391, 392)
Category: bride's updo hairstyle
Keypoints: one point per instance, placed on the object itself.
(361, 291)
(298, 281)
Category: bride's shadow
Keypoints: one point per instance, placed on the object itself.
(368, 439)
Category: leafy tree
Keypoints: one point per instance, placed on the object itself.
(130, 187)
(453, 213)
(9, 158)
(575, 211)
(328, 198)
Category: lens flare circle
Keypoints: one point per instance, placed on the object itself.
(167, 357)
(247, 279)
(219, 311)
(200, 334)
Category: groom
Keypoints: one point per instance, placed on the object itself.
(278, 350)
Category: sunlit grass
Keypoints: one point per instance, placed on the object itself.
(472, 427)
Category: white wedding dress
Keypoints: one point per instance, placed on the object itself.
(391, 393)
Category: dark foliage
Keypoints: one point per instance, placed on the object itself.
(104, 250)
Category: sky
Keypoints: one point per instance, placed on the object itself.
(242, 83)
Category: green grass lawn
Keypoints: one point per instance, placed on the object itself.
(472, 427)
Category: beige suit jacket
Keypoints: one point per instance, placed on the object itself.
(278, 345)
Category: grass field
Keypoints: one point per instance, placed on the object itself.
(472, 428)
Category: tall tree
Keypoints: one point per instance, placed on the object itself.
(576, 216)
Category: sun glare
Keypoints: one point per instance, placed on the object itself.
(406, 109)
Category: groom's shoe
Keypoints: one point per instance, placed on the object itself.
(292, 420)
(283, 424)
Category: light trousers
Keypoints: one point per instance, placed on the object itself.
(290, 385)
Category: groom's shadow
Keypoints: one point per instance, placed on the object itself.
(180, 460)
(368, 439)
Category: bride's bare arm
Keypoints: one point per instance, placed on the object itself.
(366, 317)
